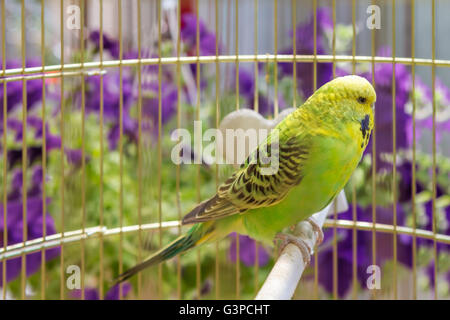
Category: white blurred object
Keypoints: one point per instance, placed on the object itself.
(169, 4)
(244, 120)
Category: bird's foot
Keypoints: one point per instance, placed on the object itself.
(300, 243)
(316, 229)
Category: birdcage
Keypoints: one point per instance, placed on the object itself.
(93, 91)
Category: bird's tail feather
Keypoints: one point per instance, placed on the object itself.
(181, 244)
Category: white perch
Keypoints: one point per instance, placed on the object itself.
(287, 271)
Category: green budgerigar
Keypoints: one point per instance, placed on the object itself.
(318, 147)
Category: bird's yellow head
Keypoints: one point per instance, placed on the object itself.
(353, 91)
(351, 97)
(344, 100)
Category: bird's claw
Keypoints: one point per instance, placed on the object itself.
(316, 229)
(300, 243)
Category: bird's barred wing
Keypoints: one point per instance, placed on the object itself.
(250, 187)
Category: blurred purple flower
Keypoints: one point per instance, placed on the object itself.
(384, 241)
(406, 181)
(34, 149)
(34, 186)
(74, 156)
(422, 96)
(16, 186)
(36, 182)
(111, 103)
(246, 83)
(246, 90)
(383, 110)
(444, 214)
(110, 45)
(424, 110)
(35, 217)
(247, 251)
(14, 230)
(14, 88)
(265, 105)
(14, 126)
(430, 273)
(364, 249)
(111, 94)
(112, 294)
(150, 102)
(203, 81)
(305, 46)
(189, 28)
(207, 44)
(345, 257)
(34, 125)
(130, 127)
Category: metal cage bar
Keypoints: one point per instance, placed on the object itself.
(394, 155)
(434, 181)
(24, 153)
(5, 151)
(44, 154)
(413, 173)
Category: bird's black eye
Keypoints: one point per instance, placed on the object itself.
(362, 100)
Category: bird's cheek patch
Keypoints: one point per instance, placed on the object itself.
(365, 129)
(365, 125)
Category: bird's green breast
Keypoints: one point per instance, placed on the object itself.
(329, 166)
